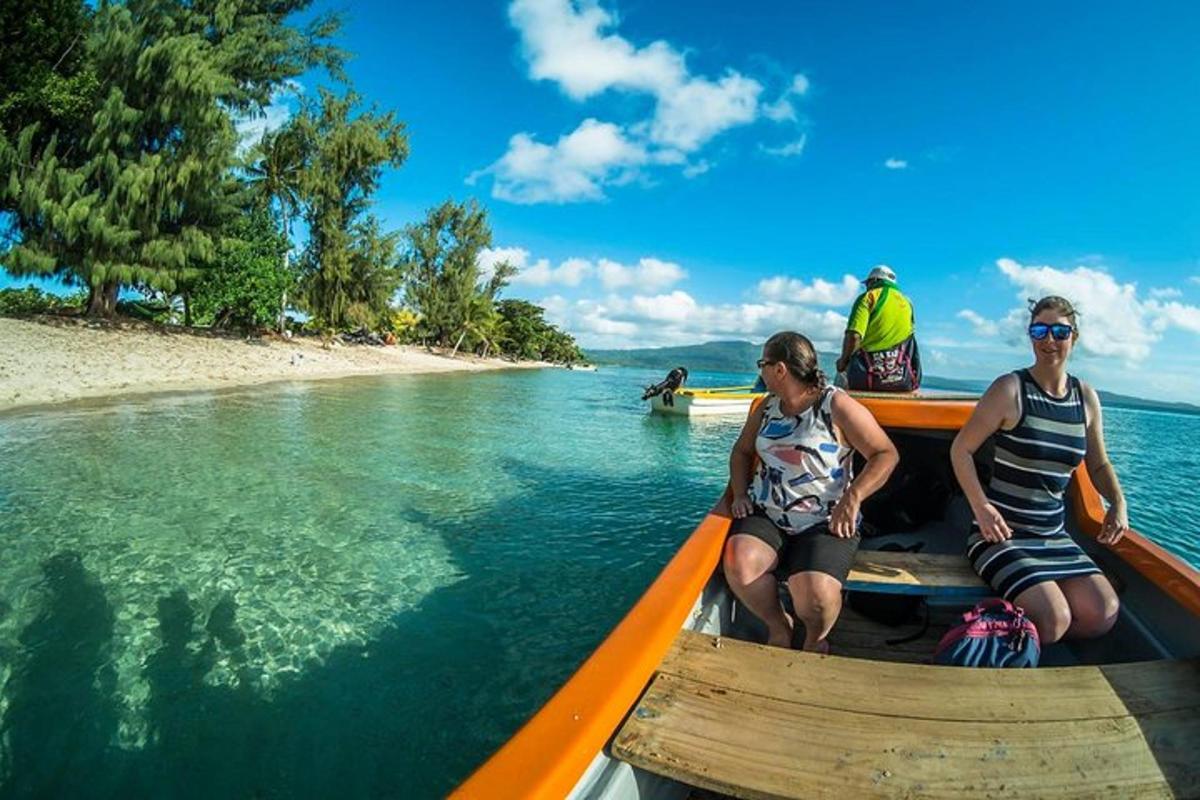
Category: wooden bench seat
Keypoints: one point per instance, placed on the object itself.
(915, 573)
(753, 721)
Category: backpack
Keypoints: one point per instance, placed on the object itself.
(995, 633)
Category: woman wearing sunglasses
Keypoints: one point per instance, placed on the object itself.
(1045, 422)
(799, 512)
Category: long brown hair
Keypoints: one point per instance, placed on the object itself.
(797, 353)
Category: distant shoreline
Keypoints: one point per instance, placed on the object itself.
(46, 362)
(737, 357)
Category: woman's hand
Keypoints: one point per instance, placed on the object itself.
(742, 506)
(844, 519)
(1116, 522)
(992, 526)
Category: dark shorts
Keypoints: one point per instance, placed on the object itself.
(812, 550)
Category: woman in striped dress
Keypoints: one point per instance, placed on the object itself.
(1045, 422)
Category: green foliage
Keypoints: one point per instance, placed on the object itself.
(444, 283)
(46, 76)
(142, 199)
(525, 334)
(348, 262)
(32, 300)
(244, 286)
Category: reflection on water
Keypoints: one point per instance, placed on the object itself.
(357, 588)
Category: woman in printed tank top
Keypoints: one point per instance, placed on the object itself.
(797, 511)
(1044, 423)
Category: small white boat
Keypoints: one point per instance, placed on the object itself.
(706, 401)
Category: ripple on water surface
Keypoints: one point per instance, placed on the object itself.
(357, 588)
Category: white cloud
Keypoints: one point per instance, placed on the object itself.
(896, 163)
(568, 43)
(569, 273)
(819, 292)
(677, 318)
(489, 257)
(649, 274)
(1165, 294)
(1173, 314)
(983, 328)
(782, 109)
(571, 43)
(573, 169)
(790, 149)
(1113, 321)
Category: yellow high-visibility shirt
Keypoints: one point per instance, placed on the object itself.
(882, 316)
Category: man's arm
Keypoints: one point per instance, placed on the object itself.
(856, 329)
(850, 343)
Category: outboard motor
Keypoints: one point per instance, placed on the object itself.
(667, 386)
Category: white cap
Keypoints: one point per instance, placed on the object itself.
(881, 273)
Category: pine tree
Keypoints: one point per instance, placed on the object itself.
(145, 201)
(276, 174)
(445, 285)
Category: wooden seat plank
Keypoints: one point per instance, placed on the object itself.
(923, 691)
(753, 721)
(915, 573)
(747, 745)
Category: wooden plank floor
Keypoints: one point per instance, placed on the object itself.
(915, 573)
(751, 721)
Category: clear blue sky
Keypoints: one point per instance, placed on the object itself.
(670, 172)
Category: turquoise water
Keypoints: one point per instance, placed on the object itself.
(356, 588)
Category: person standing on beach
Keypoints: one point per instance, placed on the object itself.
(1045, 422)
(879, 350)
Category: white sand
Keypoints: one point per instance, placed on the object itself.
(57, 360)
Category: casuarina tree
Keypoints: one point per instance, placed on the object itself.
(348, 155)
(145, 200)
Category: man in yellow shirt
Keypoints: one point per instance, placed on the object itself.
(879, 351)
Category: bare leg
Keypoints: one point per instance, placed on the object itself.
(818, 600)
(749, 565)
(1046, 605)
(1093, 603)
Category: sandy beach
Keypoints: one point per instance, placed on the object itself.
(58, 360)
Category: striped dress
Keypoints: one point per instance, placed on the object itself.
(1032, 467)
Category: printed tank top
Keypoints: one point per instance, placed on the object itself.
(802, 470)
(1034, 460)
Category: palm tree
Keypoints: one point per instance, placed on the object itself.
(277, 177)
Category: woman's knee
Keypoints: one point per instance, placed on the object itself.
(1096, 615)
(1048, 609)
(745, 562)
(813, 597)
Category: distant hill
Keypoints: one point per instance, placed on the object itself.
(708, 357)
(740, 357)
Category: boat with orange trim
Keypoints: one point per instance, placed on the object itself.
(676, 699)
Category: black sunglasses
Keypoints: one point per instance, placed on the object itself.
(762, 362)
(1061, 331)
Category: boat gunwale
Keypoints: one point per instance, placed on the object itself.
(546, 757)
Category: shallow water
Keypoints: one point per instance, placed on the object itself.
(358, 587)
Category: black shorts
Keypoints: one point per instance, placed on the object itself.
(812, 550)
